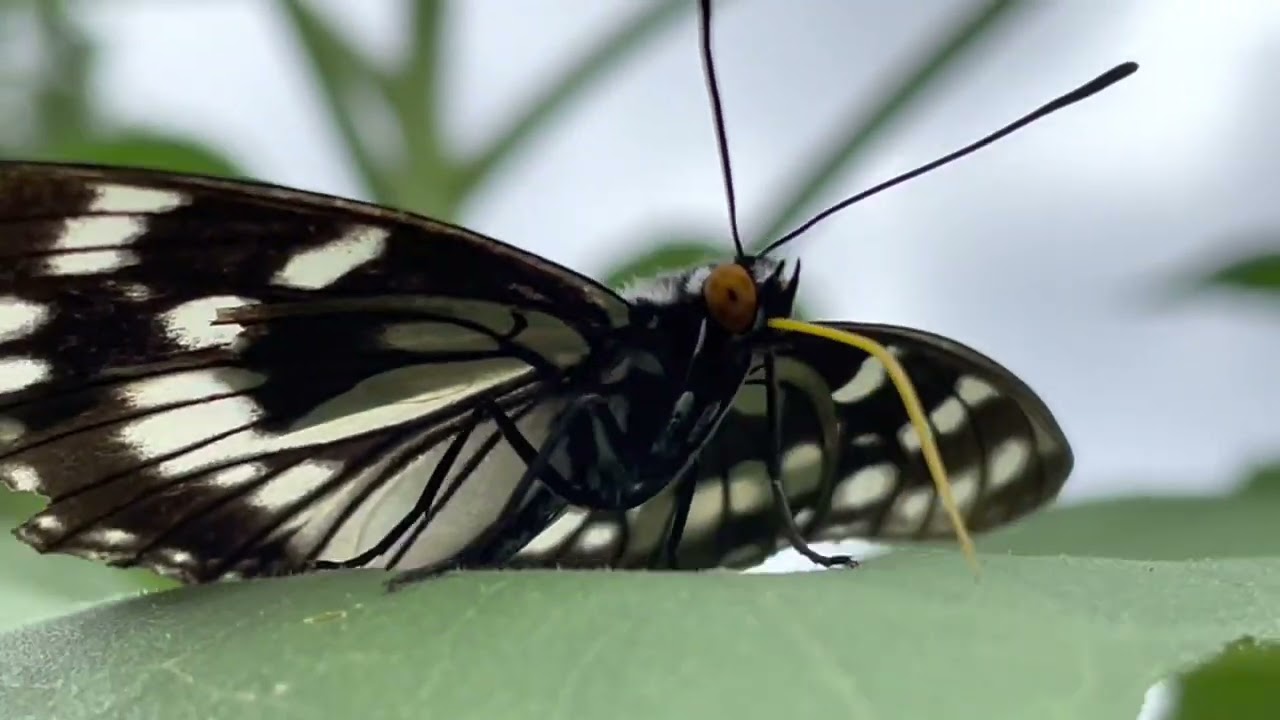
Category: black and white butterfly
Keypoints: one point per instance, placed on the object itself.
(215, 378)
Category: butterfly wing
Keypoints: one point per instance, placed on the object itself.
(211, 377)
(851, 462)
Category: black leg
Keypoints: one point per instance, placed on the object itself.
(421, 509)
(460, 477)
(537, 468)
(538, 462)
(675, 533)
(426, 572)
(774, 464)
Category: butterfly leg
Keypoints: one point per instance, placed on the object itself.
(537, 468)
(427, 572)
(538, 461)
(675, 532)
(422, 509)
(774, 465)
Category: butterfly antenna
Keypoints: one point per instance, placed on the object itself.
(717, 119)
(1092, 87)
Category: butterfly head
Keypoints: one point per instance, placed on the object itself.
(740, 296)
(727, 302)
(700, 330)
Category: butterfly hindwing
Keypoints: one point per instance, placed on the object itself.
(208, 376)
(852, 466)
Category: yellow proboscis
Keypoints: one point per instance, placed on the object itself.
(915, 413)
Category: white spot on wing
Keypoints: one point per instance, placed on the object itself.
(10, 430)
(974, 391)
(134, 291)
(163, 433)
(598, 537)
(21, 476)
(322, 266)
(89, 262)
(909, 510)
(964, 489)
(909, 438)
(92, 233)
(293, 484)
(128, 198)
(802, 468)
(176, 557)
(434, 337)
(557, 533)
(949, 416)
(706, 508)
(1007, 461)
(866, 487)
(17, 373)
(19, 318)
(186, 386)
(237, 475)
(866, 440)
(191, 323)
(398, 395)
(47, 523)
(870, 376)
(749, 488)
(109, 537)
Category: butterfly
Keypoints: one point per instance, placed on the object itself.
(216, 378)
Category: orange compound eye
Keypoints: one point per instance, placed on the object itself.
(730, 294)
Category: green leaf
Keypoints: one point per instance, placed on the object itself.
(1149, 529)
(42, 586)
(39, 586)
(1257, 272)
(912, 635)
(147, 148)
(1265, 480)
(18, 506)
(1241, 683)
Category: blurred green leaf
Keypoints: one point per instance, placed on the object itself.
(665, 256)
(1148, 529)
(38, 586)
(18, 505)
(609, 53)
(1257, 272)
(1241, 683)
(861, 130)
(147, 148)
(62, 102)
(416, 171)
(1064, 637)
(424, 172)
(347, 80)
(869, 120)
(1263, 481)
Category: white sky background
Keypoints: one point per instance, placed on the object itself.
(1051, 251)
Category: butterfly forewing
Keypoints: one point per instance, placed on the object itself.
(207, 376)
(852, 465)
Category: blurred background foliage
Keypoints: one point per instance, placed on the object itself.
(48, 111)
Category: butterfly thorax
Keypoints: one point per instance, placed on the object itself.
(662, 393)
